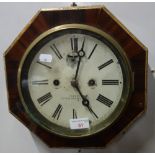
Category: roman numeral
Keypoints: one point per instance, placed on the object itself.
(92, 51)
(44, 65)
(57, 112)
(74, 44)
(105, 64)
(45, 98)
(41, 82)
(83, 43)
(110, 82)
(104, 100)
(56, 51)
(74, 114)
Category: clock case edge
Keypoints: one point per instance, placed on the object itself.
(14, 102)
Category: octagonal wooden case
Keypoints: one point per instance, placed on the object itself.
(97, 16)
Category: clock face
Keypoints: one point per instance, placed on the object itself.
(71, 75)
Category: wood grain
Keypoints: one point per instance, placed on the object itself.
(99, 18)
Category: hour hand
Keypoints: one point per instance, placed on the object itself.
(80, 55)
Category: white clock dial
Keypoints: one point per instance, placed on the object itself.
(75, 75)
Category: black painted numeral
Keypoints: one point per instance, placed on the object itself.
(40, 82)
(105, 64)
(104, 100)
(45, 98)
(56, 51)
(92, 51)
(57, 112)
(44, 65)
(74, 114)
(74, 44)
(110, 82)
(83, 43)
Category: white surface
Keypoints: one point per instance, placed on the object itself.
(80, 123)
(45, 58)
(64, 96)
(138, 18)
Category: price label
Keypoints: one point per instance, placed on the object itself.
(80, 123)
(45, 58)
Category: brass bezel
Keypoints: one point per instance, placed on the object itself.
(121, 52)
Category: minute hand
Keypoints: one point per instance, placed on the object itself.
(79, 91)
(85, 101)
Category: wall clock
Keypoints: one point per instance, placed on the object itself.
(76, 77)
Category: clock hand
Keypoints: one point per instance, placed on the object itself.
(82, 45)
(77, 69)
(74, 83)
(81, 54)
(91, 111)
(85, 101)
